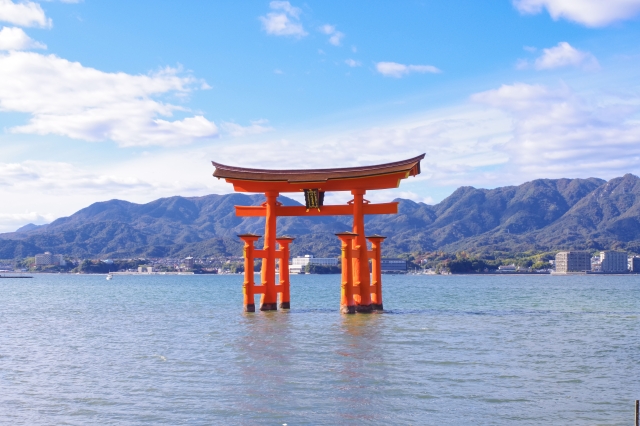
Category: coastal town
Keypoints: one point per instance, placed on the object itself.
(560, 263)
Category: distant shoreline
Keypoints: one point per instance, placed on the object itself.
(146, 274)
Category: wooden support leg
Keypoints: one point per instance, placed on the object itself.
(247, 286)
(376, 272)
(269, 299)
(347, 302)
(284, 242)
(361, 262)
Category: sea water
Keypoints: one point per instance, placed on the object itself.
(490, 350)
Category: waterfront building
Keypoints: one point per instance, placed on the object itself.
(44, 259)
(634, 264)
(299, 263)
(507, 268)
(188, 263)
(613, 261)
(393, 265)
(573, 261)
(47, 259)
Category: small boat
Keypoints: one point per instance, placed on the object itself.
(109, 276)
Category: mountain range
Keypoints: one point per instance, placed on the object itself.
(541, 215)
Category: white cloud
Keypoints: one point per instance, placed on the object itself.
(564, 55)
(13, 38)
(519, 97)
(286, 6)
(25, 14)
(557, 133)
(591, 13)
(529, 132)
(285, 23)
(12, 221)
(560, 56)
(63, 188)
(59, 177)
(256, 127)
(456, 142)
(327, 29)
(68, 99)
(352, 63)
(336, 36)
(409, 195)
(394, 69)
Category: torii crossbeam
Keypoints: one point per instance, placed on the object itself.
(358, 293)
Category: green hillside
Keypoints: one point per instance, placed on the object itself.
(541, 215)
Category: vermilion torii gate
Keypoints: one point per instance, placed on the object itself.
(359, 292)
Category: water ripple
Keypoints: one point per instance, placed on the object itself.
(449, 350)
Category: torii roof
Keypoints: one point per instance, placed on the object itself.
(379, 176)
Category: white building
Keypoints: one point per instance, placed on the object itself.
(507, 268)
(298, 264)
(573, 261)
(613, 261)
(47, 258)
(188, 263)
(393, 265)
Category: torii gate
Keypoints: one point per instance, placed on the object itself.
(358, 293)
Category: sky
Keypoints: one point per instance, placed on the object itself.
(133, 100)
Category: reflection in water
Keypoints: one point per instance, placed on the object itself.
(285, 361)
(361, 366)
(263, 353)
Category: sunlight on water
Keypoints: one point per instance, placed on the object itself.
(525, 350)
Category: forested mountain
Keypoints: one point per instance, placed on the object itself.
(544, 214)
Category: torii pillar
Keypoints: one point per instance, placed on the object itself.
(269, 299)
(248, 287)
(376, 271)
(347, 302)
(285, 295)
(361, 261)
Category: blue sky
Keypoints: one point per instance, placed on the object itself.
(131, 100)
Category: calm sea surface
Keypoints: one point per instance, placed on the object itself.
(489, 350)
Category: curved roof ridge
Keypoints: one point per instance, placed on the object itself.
(411, 165)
